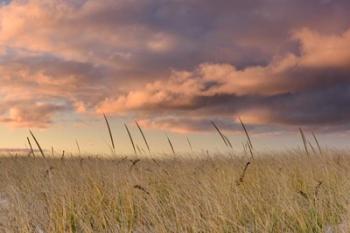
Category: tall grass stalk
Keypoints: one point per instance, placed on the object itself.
(317, 143)
(110, 132)
(78, 147)
(143, 136)
(131, 139)
(228, 142)
(171, 145)
(189, 143)
(31, 147)
(246, 133)
(304, 141)
(312, 147)
(250, 144)
(38, 145)
(220, 133)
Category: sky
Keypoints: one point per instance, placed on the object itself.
(174, 66)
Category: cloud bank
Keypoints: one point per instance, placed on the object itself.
(175, 65)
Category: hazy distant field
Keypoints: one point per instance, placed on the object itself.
(290, 192)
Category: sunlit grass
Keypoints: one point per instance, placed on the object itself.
(289, 192)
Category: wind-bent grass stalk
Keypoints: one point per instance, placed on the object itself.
(110, 133)
(251, 151)
(37, 143)
(31, 147)
(304, 141)
(219, 132)
(171, 145)
(317, 143)
(312, 147)
(76, 142)
(189, 143)
(143, 136)
(131, 139)
(246, 133)
(249, 144)
(228, 141)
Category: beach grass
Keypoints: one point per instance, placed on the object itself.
(284, 192)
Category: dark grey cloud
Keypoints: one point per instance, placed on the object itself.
(319, 109)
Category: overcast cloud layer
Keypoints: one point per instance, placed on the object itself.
(176, 64)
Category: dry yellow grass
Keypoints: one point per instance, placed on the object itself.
(288, 192)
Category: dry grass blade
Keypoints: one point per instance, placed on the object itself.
(303, 194)
(139, 187)
(31, 147)
(246, 133)
(100, 194)
(304, 141)
(228, 142)
(110, 132)
(241, 178)
(143, 136)
(62, 156)
(171, 145)
(134, 162)
(249, 144)
(76, 142)
(250, 151)
(131, 139)
(189, 143)
(312, 147)
(219, 132)
(37, 143)
(317, 143)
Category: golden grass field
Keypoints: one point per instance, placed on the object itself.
(285, 192)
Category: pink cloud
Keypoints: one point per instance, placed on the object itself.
(37, 115)
(169, 59)
(285, 74)
(324, 50)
